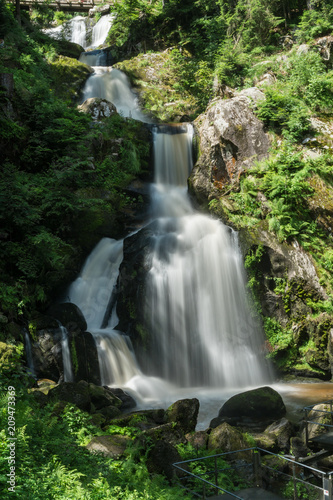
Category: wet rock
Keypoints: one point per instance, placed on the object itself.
(47, 354)
(184, 413)
(110, 446)
(131, 285)
(70, 392)
(87, 397)
(166, 432)
(281, 431)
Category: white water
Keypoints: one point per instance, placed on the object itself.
(66, 355)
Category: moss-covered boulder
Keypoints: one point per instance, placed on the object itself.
(69, 49)
(184, 413)
(198, 440)
(261, 405)
(87, 397)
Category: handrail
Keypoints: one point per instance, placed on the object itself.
(326, 477)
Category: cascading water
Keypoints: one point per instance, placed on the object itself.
(94, 292)
(203, 331)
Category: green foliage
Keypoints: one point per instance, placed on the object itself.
(50, 463)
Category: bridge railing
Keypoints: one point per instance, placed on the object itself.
(231, 472)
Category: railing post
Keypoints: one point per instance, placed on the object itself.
(216, 475)
(204, 492)
(327, 487)
(257, 468)
(295, 483)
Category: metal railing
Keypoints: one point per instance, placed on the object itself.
(231, 472)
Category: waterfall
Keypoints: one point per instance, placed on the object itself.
(28, 353)
(203, 333)
(66, 355)
(203, 330)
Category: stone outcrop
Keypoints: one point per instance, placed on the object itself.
(69, 315)
(230, 139)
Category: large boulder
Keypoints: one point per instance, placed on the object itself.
(257, 405)
(133, 270)
(184, 413)
(231, 139)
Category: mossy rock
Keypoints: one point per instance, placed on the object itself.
(262, 404)
(226, 438)
(69, 49)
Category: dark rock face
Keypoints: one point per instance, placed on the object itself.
(131, 283)
(231, 138)
(263, 404)
(47, 354)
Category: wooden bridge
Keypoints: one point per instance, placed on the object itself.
(65, 5)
